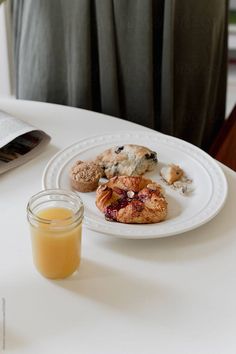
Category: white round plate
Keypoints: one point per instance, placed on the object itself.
(184, 212)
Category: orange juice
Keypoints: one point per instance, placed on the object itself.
(56, 239)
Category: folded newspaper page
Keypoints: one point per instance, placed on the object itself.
(19, 141)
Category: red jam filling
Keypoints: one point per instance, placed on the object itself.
(112, 209)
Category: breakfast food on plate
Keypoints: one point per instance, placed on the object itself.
(84, 176)
(127, 160)
(174, 176)
(131, 200)
(184, 185)
(171, 173)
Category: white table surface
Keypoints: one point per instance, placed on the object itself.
(170, 295)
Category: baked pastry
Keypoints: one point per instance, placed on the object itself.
(127, 160)
(131, 200)
(84, 176)
(171, 173)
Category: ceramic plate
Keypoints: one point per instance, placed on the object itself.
(185, 212)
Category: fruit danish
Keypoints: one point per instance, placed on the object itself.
(131, 200)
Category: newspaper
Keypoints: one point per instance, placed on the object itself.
(19, 141)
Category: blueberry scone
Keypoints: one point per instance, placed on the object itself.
(131, 200)
(127, 160)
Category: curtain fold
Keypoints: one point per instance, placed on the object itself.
(159, 63)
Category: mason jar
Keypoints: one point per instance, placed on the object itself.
(55, 218)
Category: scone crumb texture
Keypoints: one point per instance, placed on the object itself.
(171, 173)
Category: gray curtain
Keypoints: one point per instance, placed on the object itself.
(159, 63)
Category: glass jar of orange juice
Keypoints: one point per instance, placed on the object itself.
(55, 218)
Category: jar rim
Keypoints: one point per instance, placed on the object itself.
(74, 218)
